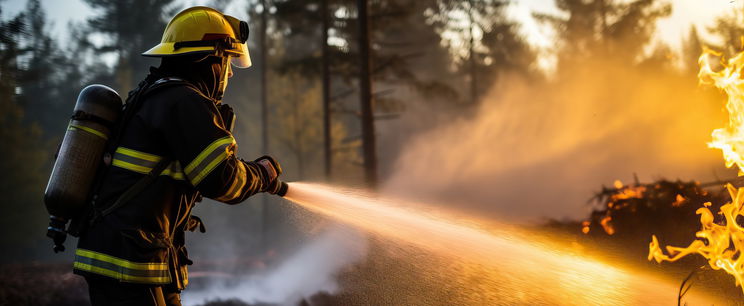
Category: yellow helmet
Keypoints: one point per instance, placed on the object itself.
(204, 30)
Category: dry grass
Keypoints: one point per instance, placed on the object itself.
(41, 284)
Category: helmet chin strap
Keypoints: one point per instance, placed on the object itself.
(222, 86)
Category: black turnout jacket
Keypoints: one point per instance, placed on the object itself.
(143, 240)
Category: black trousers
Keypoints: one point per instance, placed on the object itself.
(109, 292)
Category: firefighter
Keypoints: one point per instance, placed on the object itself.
(175, 148)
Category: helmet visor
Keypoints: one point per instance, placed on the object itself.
(240, 58)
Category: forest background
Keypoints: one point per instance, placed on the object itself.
(466, 109)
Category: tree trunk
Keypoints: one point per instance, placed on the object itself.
(471, 58)
(268, 212)
(264, 68)
(365, 90)
(326, 79)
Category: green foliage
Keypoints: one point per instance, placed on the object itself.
(130, 28)
(605, 29)
(298, 131)
(730, 29)
(405, 49)
(498, 50)
(408, 50)
(47, 89)
(25, 154)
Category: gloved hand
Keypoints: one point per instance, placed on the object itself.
(270, 175)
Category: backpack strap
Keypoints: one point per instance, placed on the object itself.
(134, 102)
(138, 187)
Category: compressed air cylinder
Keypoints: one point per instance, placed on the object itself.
(80, 155)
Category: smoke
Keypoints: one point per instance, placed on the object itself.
(541, 149)
(310, 270)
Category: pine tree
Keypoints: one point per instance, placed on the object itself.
(132, 26)
(604, 29)
(730, 28)
(47, 89)
(25, 155)
(497, 50)
(692, 47)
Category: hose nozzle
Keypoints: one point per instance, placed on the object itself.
(283, 187)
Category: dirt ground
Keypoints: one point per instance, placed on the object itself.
(387, 276)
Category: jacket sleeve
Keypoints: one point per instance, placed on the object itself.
(195, 135)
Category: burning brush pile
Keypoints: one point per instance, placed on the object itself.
(625, 216)
(692, 219)
(680, 214)
(631, 213)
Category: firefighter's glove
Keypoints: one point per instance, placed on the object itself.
(270, 171)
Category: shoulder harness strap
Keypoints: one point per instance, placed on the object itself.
(138, 187)
(134, 102)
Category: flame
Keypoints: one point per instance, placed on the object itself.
(626, 192)
(679, 201)
(609, 229)
(730, 139)
(724, 242)
(721, 245)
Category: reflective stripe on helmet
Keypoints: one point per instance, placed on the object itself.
(208, 159)
(121, 269)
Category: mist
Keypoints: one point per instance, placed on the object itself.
(536, 150)
(312, 268)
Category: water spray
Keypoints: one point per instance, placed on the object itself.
(534, 268)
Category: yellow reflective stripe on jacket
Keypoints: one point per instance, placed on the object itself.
(136, 161)
(130, 166)
(237, 185)
(138, 154)
(120, 262)
(89, 130)
(174, 171)
(121, 269)
(143, 163)
(208, 159)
